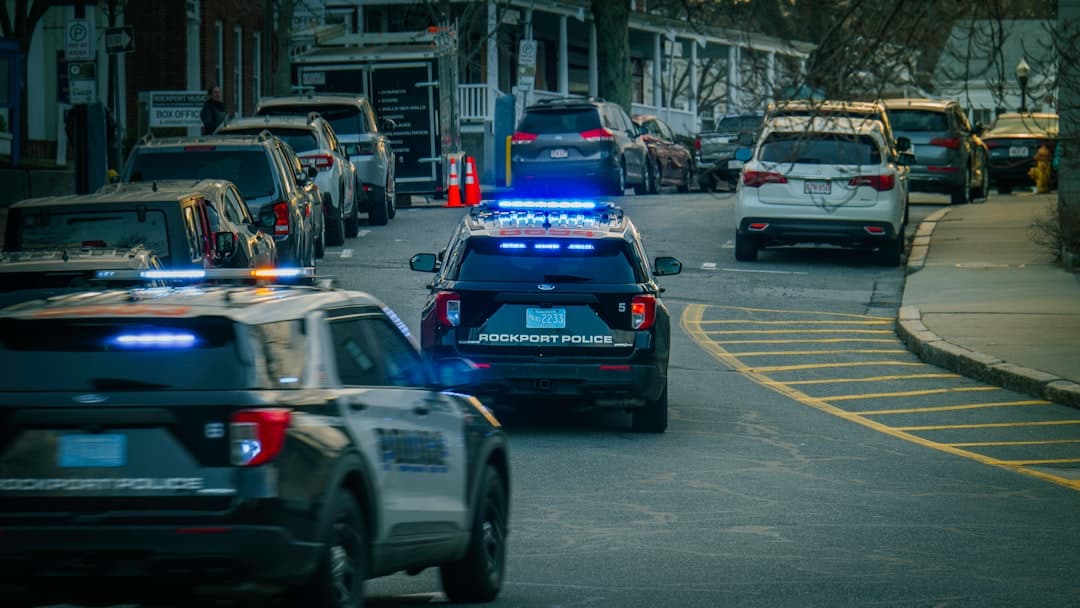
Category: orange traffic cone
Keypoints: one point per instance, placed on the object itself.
(472, 182)
(453, 190)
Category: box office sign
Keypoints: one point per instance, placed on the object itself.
(175, 108)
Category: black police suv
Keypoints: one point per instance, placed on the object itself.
(273, 440)
(554, 301)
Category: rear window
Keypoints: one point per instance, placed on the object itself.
(546, 261)
(738, 124)
(346, 119)
(106, 354)
(248, 169)
(560, 121)
(300, 140)
(1033, 124)
(918, 120)
(90, 228)
(820, 149)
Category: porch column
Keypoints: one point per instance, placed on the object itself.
(770, 77)
(564, 59)
(492, 57)
(693, 78)
(733, 79)
(594, 73)
(657, 82)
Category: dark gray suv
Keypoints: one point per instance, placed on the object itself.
(578, 145)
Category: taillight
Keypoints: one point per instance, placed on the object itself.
(448, 308)
(994, 144)
(697, 144)
(257, 436)
(281, 219)
(946, 142)
(321, 162)
(880, 183)
(642, 311)
(522, 138)
(600, 134)
(753, 179)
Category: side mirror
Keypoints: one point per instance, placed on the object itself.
(424, 262)
(665, 265)
(905, 159)
(903, 144)
(388, 124)
(224, 243)
(744, 154)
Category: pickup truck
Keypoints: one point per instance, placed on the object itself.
(716, 148)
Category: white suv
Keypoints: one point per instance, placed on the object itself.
(822, 180)
(316, 144)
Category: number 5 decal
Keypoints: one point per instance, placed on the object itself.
(622, 306)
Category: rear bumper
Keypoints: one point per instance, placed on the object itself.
(564, 173)
(831, 232)
(922, 179)
(93, 558)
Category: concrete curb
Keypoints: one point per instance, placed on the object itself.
(932, 349)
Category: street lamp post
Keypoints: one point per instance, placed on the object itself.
(1022, 72)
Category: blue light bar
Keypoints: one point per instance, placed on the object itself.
(547, 246)
(524, 205)
(581, 247)
(512, 245)
(169, 275)
(159, 339)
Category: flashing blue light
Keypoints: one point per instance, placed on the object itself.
(547, 246)
(512, 245)
(169, 275)
(539, 205)
(159, 339)
(581, 247)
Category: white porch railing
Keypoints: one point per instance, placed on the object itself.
(473, 102)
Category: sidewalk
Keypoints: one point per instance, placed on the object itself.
(982, 299)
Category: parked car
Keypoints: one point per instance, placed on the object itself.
(316, 144)
(187, 224)
(279, 192)
(570, 145)
(841, 110)
(366, 143)
(820, 180)
(950, 157)
(44, 273)
(715, 148)
(1013, 142)
(670, 162)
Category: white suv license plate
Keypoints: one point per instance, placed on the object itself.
(559, 153)
(92, 450)
(817, 187)
(545, 318)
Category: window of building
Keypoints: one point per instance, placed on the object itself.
(256, 68)
(219, 54)
(238, 68)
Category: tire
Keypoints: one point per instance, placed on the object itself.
(648, 181)
(618, 185)
(687, 179)
(338, 581)
(658, 177)
(478, 575)
(746, 247)
(1005, 188)
(336, 234)
(984, 185)
(378, 213)
(391, 201)
(352, 223)
(651, 417)
(961, 195)
(889, 252)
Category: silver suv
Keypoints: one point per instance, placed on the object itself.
(355, 124)
(317, 146)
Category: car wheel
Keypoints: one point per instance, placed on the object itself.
(391, 200)
(336, 234)
(961, 195)
(478, 575)
(338, 581)
(984, 185)
(746, 247)
(377, 214)
(352, 223)
(651, 417)
(658, 180)
(687, 179)
(1004, 188)
(647, 180)
(618, 185)
(889, 252)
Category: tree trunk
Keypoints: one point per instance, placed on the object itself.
(613, 51)
(282, 59)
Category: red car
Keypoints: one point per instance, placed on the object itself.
(670, 162)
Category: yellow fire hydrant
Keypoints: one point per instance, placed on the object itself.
(1041, 172)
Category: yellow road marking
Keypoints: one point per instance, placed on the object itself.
(790, 353)
(792, 368)
(990, 444)
(690, 321)
(879, 332)
(793, 322)
(988, 425)
(873, 379)
(954, 408)
(799, 312)
(1047, 461)
(932, 391)
(809, 341)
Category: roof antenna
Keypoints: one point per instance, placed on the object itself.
(155, 186)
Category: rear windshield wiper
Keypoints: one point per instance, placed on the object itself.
(106, 384)
(565, 278)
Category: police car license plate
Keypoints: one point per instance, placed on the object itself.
(1018, 151)
(545, 318)
(94, 450)
(559, 153)
(817, 187)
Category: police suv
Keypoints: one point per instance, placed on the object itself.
(233, 439)
(554, 301)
